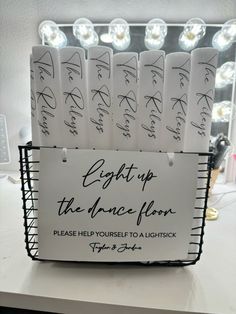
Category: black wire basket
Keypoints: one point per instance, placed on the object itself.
(29, 169)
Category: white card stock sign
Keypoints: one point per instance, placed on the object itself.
(115, 206)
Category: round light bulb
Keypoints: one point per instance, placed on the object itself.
(48, 29)
(58, 41)
(90, 41)
(221, 111)
(51, 34)
(188, 42)
(119, 34)
(195, 27)
(228, 71)
(155, 34)
(106, 38)
(225, 74)
(221, 42)
(229, 29)
(224, 38)
(219, 82)
(193, 31)
(83, 30)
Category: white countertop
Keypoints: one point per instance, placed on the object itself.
(207, 287)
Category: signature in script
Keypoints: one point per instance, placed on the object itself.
(98, 247)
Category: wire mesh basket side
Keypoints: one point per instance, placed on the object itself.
(197, 233)
(29, 168)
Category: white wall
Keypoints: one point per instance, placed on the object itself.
(18, 33)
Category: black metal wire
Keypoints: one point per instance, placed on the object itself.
(30, 197)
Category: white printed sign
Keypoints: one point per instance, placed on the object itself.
(115, 206)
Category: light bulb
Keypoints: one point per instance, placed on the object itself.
(229, 29)
(220, 42)
(59, 41)
(155, 34)
(106, 38)
(83, 30)
(225, 74)
(52, 35)
(224, 38)
(221, 111)
(194, 30)
(119, 34)
(48, 29)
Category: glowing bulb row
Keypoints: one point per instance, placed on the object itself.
(119, 34)
(155, 33)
